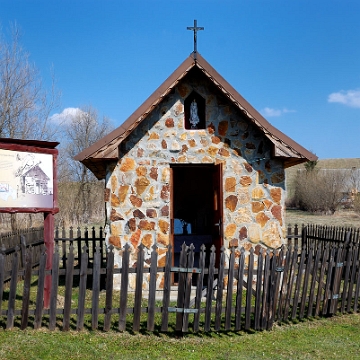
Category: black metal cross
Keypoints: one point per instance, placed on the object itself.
(195, 28)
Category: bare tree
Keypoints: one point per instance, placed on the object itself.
(25, 105)
(81, 131)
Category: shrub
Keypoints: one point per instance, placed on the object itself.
(319, 191)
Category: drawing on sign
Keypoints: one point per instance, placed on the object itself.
(26, 179)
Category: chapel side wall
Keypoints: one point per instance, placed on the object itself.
(138, 187)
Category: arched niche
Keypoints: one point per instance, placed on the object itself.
(194, 112)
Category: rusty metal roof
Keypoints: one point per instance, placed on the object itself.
(96, 156)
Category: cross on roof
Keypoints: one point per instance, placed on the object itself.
(195, 28)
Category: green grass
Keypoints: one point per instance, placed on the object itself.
(331, 338)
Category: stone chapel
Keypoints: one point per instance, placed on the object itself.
(195, 163)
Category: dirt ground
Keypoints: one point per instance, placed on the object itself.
(345, 218)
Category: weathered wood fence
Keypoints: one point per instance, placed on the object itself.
(247, 290)
(34, 237)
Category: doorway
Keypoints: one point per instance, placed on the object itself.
(196, 207)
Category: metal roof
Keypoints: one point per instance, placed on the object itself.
(106, 149)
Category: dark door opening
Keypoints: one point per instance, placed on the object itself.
(196, 207)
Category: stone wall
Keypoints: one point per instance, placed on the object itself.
(137, 191)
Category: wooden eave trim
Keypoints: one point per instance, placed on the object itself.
(119, 134)
(269, 130)
(140, 114)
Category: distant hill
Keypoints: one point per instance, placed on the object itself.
(347, 164)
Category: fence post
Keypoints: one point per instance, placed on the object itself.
(23, 250)
(152, 289)
(259, 276)
(229, 294)
(12, 294)
(95, 289)
(138, 287)
(304, 240)
(249, 290)
(40, 292)
(109, 287)
(210, 289)
(2, 273)
(199, 285)
(239, 290)
(181, 288)
(54, 289)
(188, 283)
(124, 286)
(167, 289)
(49, 223)
(26, 291)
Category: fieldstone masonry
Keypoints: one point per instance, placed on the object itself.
(138, 187)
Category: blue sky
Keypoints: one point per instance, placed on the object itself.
(295, 61)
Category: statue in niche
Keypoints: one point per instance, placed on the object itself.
(194, 117)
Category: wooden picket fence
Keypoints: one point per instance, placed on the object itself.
(246, 291)
(21, 240)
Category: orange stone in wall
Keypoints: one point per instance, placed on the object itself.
(115, 241)
(223, 127)
(275, 194)
(243, 233)
(135, 201)
(230, 184)
(257, 193)
(115, 216)
(154, 173)
(165, 210)
(169, 122)
(215, 140)
(147, 240)
(162, 239)
(115, 201)
(245, 181)
(257, 206)
(135, 238)
(127, 165)
(146, 225)
(123, 190)
(154, 136)
(164, 226)
(113, 183)
(267, 203)
(231, 202)
(141, 171)
(165, 192)
(141, 184)
(151, 213)
(132, 224)
(224, 152)
(262, 219)
(192, 142)
(276, 210)
(212, 151)
(138, 214)
(233, 242)
(230, 230)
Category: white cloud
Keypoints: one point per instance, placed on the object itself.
(269, 112)
(349, 98)
(65, 116)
